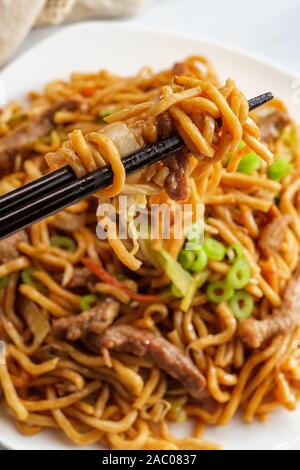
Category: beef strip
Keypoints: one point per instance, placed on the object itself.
(30, 131)
(9, 246)
(82, 278)
(272, 124)
(177, 183)
(142, 343)
(272, 235)
(164, 125)
(283, 319)
(93, 321)
(180, 68)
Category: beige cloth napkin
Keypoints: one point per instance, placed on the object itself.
(18, 17)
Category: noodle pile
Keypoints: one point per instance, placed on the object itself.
(121, 400)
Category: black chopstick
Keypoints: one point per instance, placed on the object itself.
(39, 187)
(79, 189)
(55, 191)
(57, 179)
(255, 103)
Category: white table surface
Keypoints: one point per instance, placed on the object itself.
(268, 27)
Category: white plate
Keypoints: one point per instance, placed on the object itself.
(91, 46)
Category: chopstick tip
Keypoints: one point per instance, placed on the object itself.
(260, 100)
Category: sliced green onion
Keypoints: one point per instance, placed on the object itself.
(63, 242)
(219, 292)
(104, 113)
(26, 276)
(234, 253)
(201, 260)
(279, 169)
(241, 305)
(249, 163)
(181, 278)
(239, 274)
(4, 282)
(176, 292)
(196, 283)
(214, 249)
(121, 277)
(88, 301)
(186, 259)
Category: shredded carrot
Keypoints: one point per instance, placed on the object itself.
(104, 276)
(88, 91)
